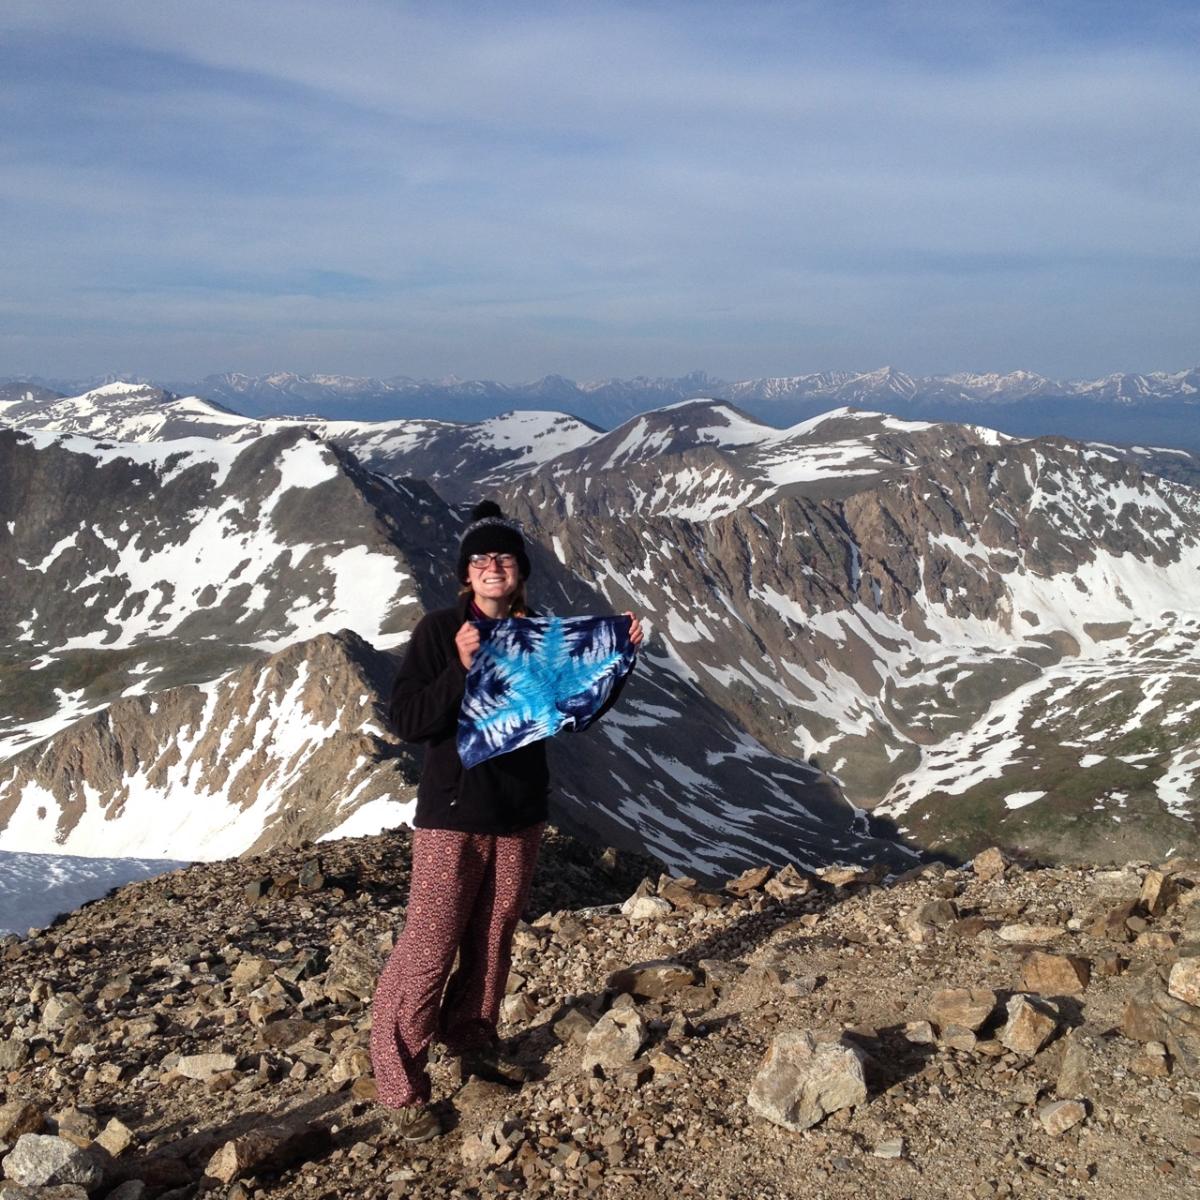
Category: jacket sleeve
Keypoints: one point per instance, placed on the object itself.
(428, 689)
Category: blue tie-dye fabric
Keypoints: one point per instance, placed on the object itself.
(534, 676)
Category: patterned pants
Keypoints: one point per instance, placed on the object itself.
(468, 892)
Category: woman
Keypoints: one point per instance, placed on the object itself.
(474, 846)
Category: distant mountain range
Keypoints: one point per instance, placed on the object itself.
(1154, 409)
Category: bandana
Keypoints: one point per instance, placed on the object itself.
(534, 676)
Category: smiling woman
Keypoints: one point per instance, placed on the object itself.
(474, 847)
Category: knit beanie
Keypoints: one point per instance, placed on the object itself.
(491, 532)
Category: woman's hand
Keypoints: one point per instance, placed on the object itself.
(466, 641)
(636, 635)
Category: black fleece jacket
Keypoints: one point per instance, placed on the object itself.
(503, 795)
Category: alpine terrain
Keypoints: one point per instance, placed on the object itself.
(862, 627)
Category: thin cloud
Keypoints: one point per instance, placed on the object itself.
(574, 188)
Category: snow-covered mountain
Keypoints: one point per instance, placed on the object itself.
(172, 681)
(1152, 409)
(976, 636)
(982, 637)
(446, 451)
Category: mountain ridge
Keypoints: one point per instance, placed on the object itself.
(1130, 407)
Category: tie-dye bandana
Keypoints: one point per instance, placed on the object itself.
(534, 676)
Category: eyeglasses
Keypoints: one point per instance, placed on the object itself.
(479, 561)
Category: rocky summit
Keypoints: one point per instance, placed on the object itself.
(994, 1030)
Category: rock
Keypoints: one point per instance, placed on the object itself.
(801, 1081)
(1184, 981)
(516, 1010)
(654, 980)
(989, 864)
(1159, 892)
(18, 1117)
(14, 1054)
(573, 1026)
(204, 1066)
(646, 908)
(42, 1160)
(268, 1147)
(748, 881)
(889, 1148)
(60, 1010)
(788, 884)
(968, 1008)
(1036, 935)
(1075, 1070)
(352, 974)
(1113, 923)
(116, 1137)
(1055, 974)
(1058, 1116)
(614, 1040)
(919, 1033)
(1029, 1026)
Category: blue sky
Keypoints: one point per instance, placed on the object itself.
(511, 189)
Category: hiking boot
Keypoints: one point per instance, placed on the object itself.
(418, 1123)
(493, 1064)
